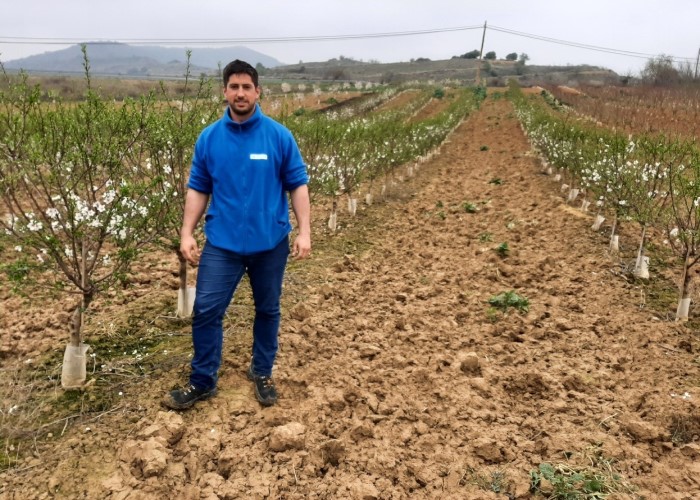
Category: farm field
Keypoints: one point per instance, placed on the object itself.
(636, 110)
(397, 378)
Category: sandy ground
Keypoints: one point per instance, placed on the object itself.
(395, 378)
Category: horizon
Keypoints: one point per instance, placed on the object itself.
(500, 57)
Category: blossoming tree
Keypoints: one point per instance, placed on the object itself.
(169, 143)
(74, 193)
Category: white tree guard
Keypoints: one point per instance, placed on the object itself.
(185, 301)
(74, 372)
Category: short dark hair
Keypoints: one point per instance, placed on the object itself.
(239, 67)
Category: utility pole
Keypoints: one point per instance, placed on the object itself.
(696, 66)
(481, 57)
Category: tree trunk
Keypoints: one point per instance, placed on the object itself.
(684, 301)
(333, 219)
(352, 204)
(185, 295)
(614, 238)
(182, 272)
(641, 268)
(76, 335)
(73, 370)
(599, 219)
(76, 326)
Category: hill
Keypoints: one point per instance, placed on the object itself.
(493, 73)
(119, 59)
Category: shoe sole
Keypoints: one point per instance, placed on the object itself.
(168, 402)
(261, 400)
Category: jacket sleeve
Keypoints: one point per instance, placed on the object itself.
(294, 169)
(200, 179)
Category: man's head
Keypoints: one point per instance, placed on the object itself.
(241, 89)
(239, 67)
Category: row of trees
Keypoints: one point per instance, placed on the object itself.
(664, 72)
(661, 71)
(651, 180)
(491, 55)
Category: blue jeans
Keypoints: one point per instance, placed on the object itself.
(219, 273)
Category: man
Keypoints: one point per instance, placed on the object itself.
(244, 163)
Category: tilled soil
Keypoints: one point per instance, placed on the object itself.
(397, 379)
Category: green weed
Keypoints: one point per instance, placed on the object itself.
(469, 207)
(569, 482)
(479, 92)
(504, 300)
(18, 274)
(496, 481)
(503, 250)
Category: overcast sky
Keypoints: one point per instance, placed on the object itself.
(645, 27)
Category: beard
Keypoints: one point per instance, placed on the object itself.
(242, 111)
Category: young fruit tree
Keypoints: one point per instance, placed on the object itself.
(683, 222)
(173, 130)
(74, 194)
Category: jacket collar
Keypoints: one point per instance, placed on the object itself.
(249, 123)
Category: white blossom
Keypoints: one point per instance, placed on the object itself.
(109, 196)
(34, 225)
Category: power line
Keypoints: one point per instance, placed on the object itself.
(608, 50)
(10, 40)
(198, 41)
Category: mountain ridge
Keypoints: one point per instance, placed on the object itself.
(120, 59)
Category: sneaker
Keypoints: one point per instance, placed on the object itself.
(181, 399)
(265, 390)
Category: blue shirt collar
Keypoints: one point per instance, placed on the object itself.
(250, 122)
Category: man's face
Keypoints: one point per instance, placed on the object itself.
(241, 95)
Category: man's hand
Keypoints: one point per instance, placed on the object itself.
(189, 250)
(301, 248)
(195, 204)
